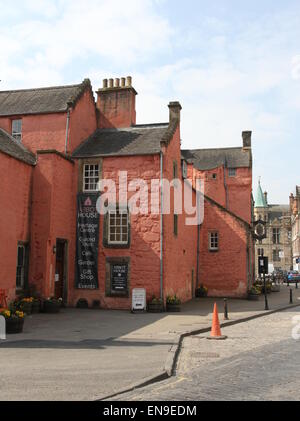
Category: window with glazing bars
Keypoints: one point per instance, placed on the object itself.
(214, 241)
(90, 177)
(276, 235)
(16, 129)
(118, 227)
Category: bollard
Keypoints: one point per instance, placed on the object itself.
(291, 296)
(296, 285)
(226, 309)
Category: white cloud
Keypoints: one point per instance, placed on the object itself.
(55, 34)
(296, 67)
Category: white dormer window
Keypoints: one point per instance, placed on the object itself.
(90, 177)
(16, 130)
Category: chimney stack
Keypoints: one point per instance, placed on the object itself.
(247, 139)
(116, 103)
(175, 109)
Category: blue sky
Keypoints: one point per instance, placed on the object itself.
(233, 65)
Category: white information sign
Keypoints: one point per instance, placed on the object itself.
(138, 299)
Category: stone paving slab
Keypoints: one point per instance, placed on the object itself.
(89, 354)
(258, 361)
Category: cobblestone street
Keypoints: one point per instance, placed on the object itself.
(258, 361)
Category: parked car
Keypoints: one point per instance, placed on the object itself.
(294, 276)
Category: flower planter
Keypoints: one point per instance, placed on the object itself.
(51, 307)
(14, 325)
(200, 294)
(155, 307)
(36, 307)
(275, 288)
(253, 297)
(26, 308)
(173, 308)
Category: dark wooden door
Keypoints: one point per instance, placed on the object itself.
(60, 268)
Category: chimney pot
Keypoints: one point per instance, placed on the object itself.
(123, 81)
(129, 81)
(117, 83)
(247, 139)
(266, 197)
(111, 83)
(104, 83)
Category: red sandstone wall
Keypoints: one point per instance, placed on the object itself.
(180, 252)
(144, 251)
(48, 131)
(117, 108)
(15, 190)
(53, 216)
(44, 131)
(239, 189)
(239, 193)
(213, 188)
(83, 121)
(224, 272)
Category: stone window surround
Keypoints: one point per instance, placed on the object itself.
(106, 243)
(91, 177)
(121, 212)
(81, 164)
(232, 172)
(213, 249)
(116, 260)
(16, 132)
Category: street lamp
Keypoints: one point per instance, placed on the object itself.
(260, 233)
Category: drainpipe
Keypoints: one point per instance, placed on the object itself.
(225, 184)
(67, 130)
(161, 226)
(198, 254)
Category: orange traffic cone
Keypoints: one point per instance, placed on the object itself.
(216, 329)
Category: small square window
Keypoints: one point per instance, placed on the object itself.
(214, 176)
(214, 241)
(16, 130)
(231, 172)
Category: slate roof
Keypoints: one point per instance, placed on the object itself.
(136, 140)
(11, 147)
(277, 211)
(208, 159)
(41, 100)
